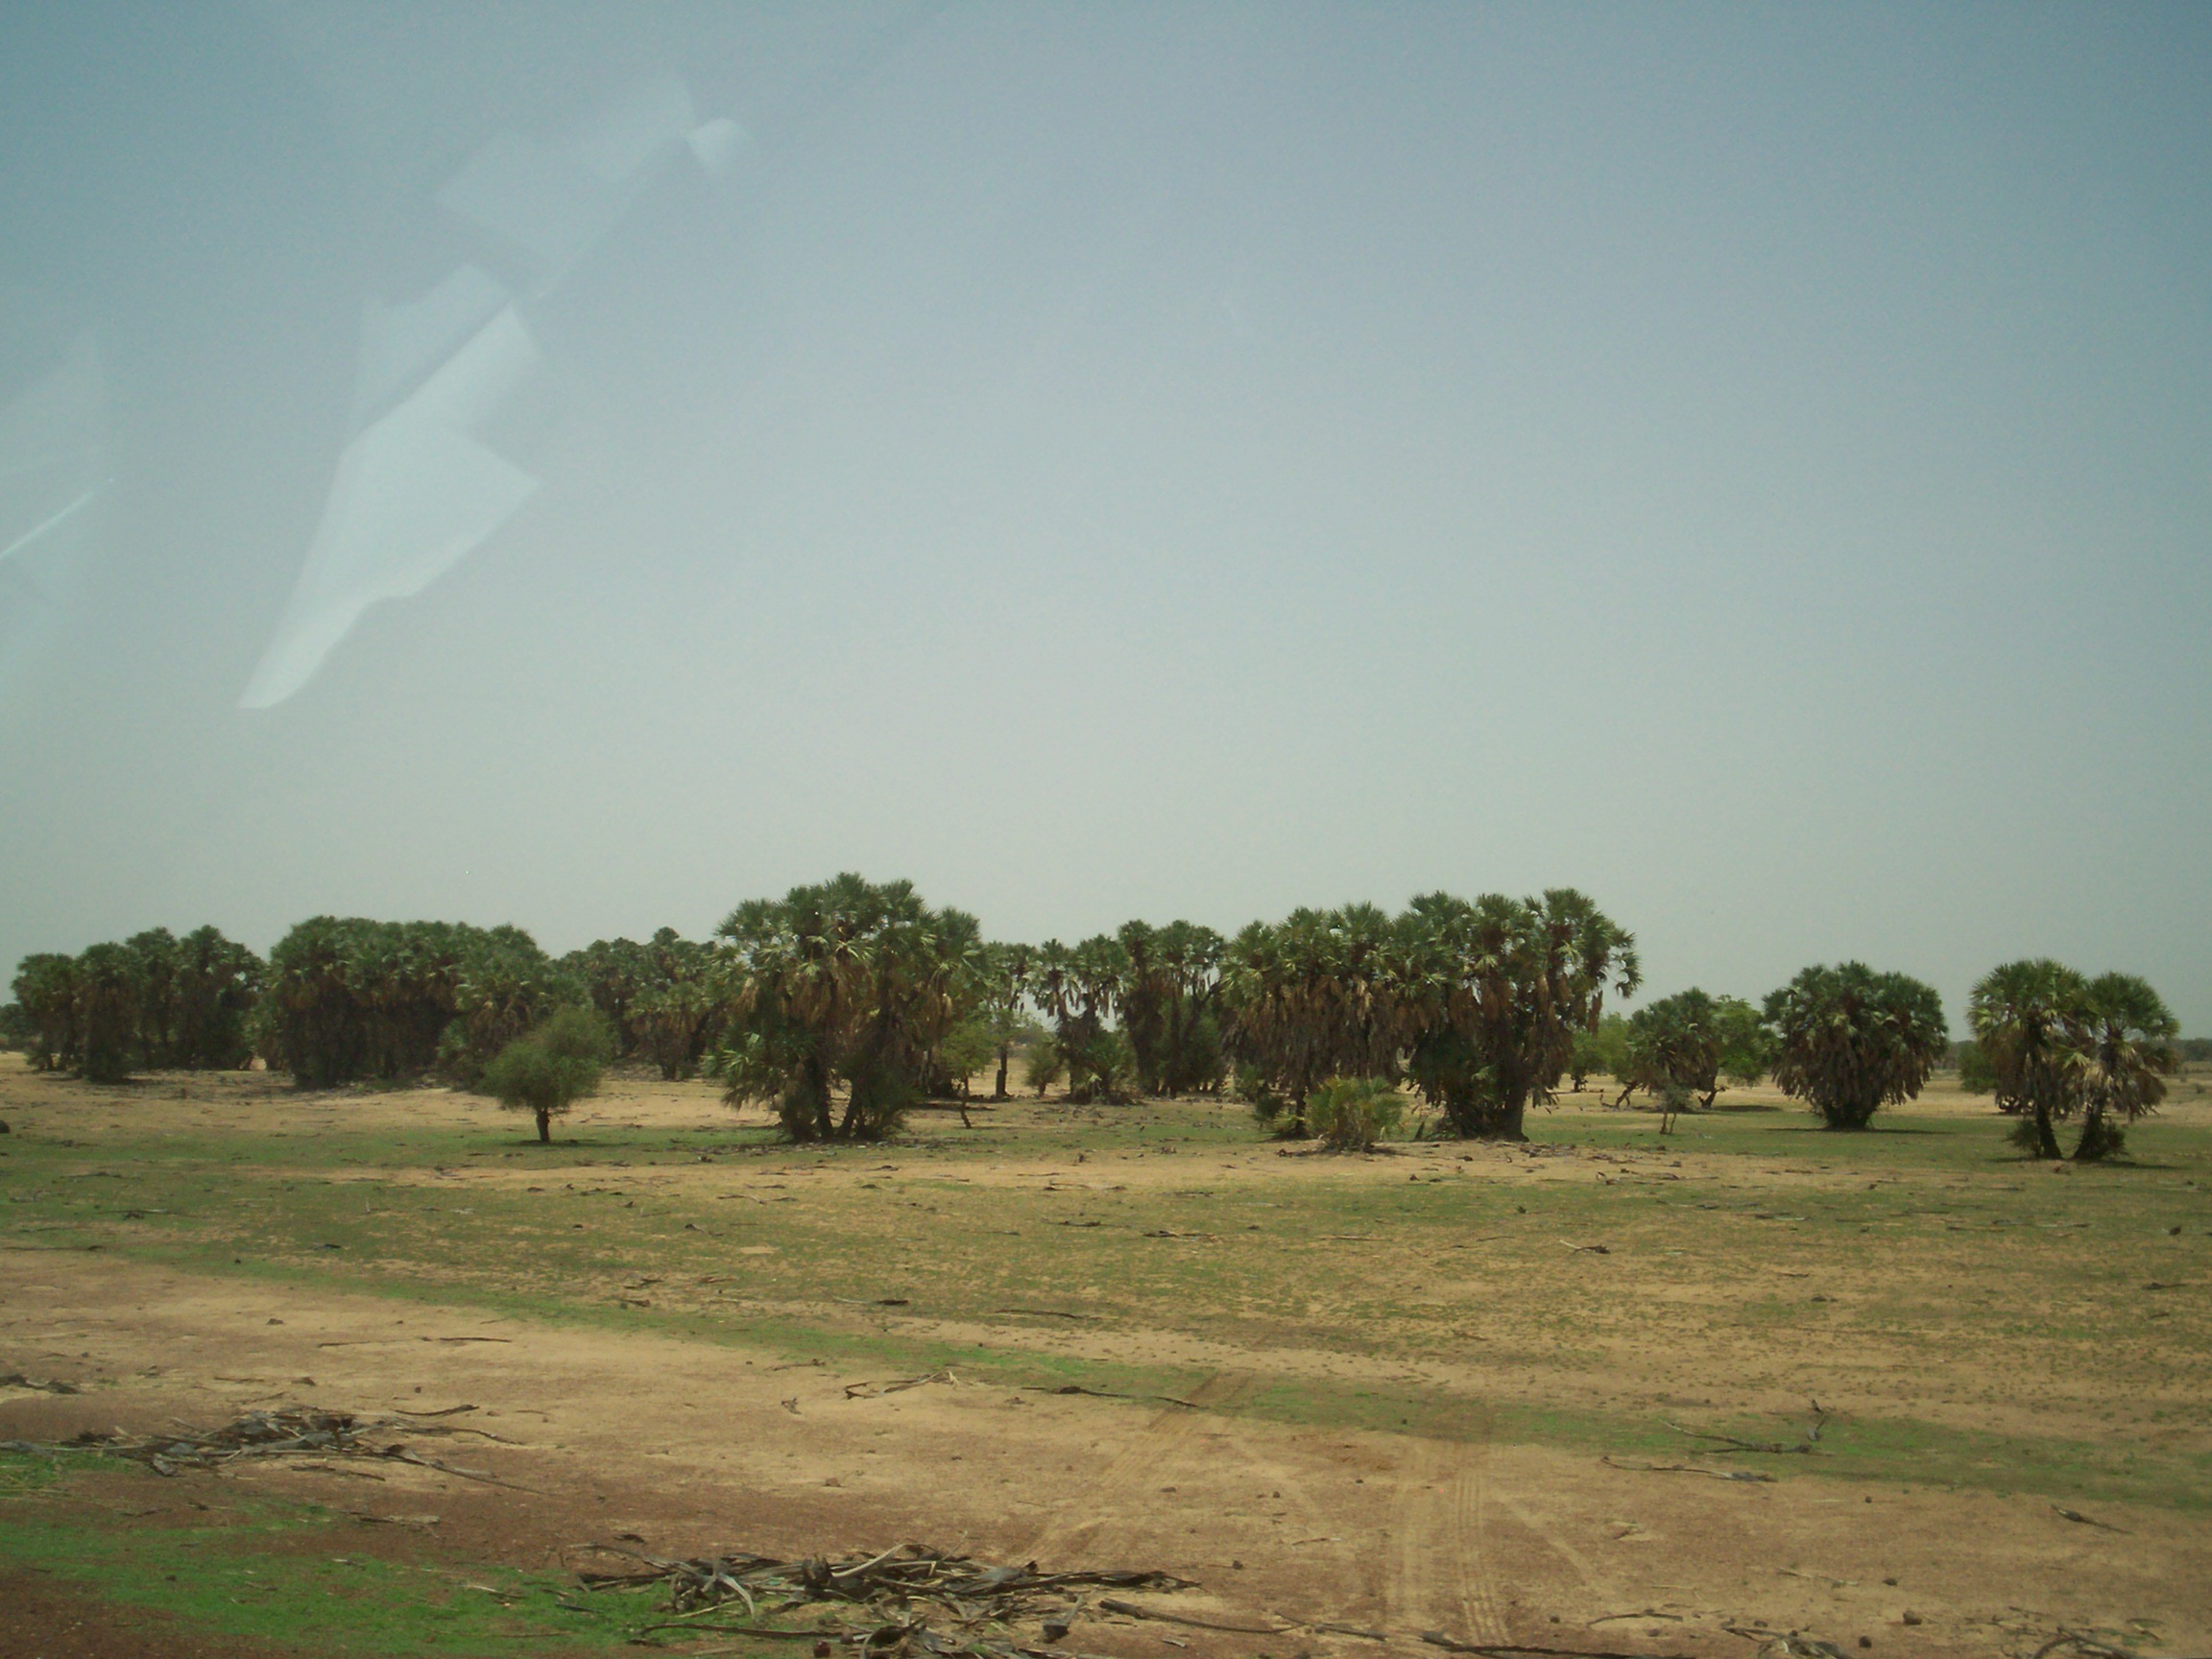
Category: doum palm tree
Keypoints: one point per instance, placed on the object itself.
(2130, 1038)
(2031, 1018)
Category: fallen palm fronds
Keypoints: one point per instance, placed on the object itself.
(292, 1430)
(1111, 1394)
(885, 1603)
(1049, 1313)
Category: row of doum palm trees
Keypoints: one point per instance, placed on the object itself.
(844, 1002)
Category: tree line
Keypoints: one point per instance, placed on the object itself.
(151, 1002)
(845, 1004)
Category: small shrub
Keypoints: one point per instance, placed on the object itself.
(1351, 1114)
(550, 1069)
(1042, 1066)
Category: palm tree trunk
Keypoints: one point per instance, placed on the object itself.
(1006, 1057)
(2046, 1137)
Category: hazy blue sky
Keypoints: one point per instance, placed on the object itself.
(1754, 464)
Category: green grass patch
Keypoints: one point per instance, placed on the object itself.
(284, 1573)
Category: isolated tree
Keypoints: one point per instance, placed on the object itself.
(967, 1049)
(2131, 1034)
(842, 983)
(548, 1071)
(1493, 993)
(2031, 1018)
(45, 988)
(1849, 1041)
(1351, 1114)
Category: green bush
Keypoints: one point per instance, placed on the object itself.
(1351, 1114)
(550, 1069)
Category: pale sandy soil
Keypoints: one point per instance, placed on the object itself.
(694, 1444)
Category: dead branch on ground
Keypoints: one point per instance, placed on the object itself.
(1741, 1475)
(908, 1599)
(1730, 1443)
(289, 1431)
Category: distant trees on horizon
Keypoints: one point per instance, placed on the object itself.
(845, 1004)
(153, 1002)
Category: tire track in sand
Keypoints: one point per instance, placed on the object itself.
(1441, 1569)
(1122, 1500)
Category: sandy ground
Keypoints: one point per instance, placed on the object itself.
(696, 1444)
(693, 1446)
